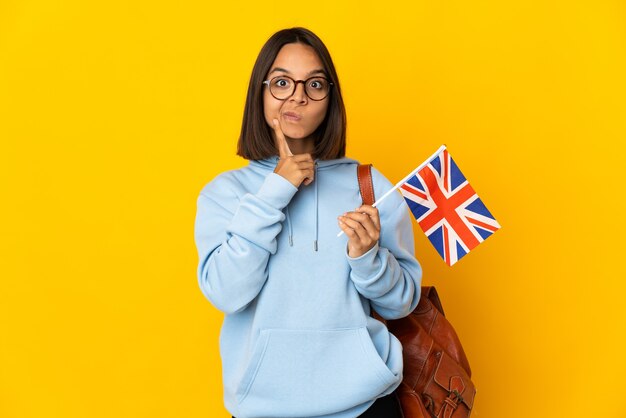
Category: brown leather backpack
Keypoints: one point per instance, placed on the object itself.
(436, 378)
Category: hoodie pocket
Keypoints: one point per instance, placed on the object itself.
(312, 372)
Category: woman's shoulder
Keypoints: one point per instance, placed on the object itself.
(381, 186)
(379, 178)
(227, 183)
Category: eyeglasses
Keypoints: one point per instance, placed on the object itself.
(283, 87)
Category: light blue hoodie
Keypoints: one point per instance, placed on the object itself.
(297, 339)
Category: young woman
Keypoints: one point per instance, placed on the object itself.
(297, 338)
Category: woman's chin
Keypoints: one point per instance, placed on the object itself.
(295, 135)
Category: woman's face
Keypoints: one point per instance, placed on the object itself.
(299, 62)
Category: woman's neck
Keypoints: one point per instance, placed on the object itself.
(301, 146)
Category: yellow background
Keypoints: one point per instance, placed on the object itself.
(114, 114)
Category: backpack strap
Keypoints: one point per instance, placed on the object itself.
(366, 185)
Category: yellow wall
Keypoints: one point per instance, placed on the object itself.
(114, 114)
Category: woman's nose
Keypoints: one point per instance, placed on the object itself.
(299, 95)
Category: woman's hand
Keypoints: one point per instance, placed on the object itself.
(362, 226)
(295, 168)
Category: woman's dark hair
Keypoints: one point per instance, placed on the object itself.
(256, 141)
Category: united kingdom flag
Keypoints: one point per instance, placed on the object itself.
(447, 208)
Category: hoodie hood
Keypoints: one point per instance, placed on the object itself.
(268, 164)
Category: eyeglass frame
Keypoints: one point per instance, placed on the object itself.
(295, 86)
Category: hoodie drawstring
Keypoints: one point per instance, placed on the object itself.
(315, 181)
(290, 230)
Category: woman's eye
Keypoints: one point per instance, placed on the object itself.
(282, 83)
(316, 84)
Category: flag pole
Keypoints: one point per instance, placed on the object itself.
(408, 176)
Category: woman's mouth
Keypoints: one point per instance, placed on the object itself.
(292, 116)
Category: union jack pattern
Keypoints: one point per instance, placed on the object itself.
(447, 208)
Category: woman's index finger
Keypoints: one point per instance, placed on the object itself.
(281, 142)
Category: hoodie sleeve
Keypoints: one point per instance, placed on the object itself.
(389, 274)
(235, 236)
